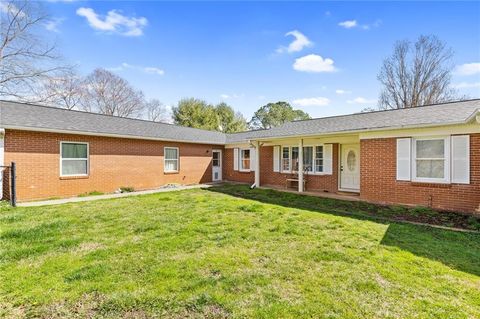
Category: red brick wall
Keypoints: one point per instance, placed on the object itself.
(269, 177)
(378, 180)
(114, 162)
(231, 175)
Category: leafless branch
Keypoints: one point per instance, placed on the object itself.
(106, 93)
(416, 75)
(156, 111)
(26, 60)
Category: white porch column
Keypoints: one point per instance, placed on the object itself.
(300, 166)
(257, 164)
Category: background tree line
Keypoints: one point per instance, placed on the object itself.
(32, 70)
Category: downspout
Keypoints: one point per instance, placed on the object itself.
(256, 183)
(2, 159)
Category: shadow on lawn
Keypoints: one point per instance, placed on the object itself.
(455, 249)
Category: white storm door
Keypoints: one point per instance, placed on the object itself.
(350, 167)
(216, 165)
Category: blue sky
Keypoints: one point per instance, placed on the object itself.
(242, 53)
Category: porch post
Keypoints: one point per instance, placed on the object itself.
(300, 166)
(257, 164)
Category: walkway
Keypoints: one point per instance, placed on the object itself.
(108, 196)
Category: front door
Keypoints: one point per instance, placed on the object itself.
(350, 167)
(216, 165)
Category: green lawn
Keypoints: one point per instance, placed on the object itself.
(213, 254)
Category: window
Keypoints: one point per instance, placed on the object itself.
(308, 158)
(216, 159)
(430, 159)
(318, 159)
(245, 160)
(295, 159)
(286, 159)
(312, 159)
(171, 159)
(73, 159)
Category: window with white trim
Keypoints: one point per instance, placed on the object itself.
(312, 159)
(431, 159)
(294, 151)
(245, 159)
(171, 159)
(308, 158)
(319, 159)
(73, 159)
(285, 159)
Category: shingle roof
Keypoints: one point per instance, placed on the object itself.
(21, 115)
(431, 115)
(49, 118)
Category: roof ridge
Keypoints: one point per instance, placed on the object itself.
(381, 111)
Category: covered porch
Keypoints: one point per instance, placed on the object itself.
(319, 165)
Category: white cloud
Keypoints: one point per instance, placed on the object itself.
(153, 70)
(231, 96)
(468, 69)
(53, 24)
(300, 42)
(341, 92)
(348, 24)
(314, 63)
(361, 100)
(114, 22)
(145, 69)
(466, 85)
(312, 101)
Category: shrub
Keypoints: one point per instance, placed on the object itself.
(126, 189)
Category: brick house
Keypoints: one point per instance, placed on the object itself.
(427, 155)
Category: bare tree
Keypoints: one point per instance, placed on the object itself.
(156, 111)
(25, 58)
(107, 93)
(64, 91)
(416, 74)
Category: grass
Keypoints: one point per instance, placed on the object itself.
(357, 208)
(208, 254)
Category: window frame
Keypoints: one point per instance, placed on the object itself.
(446, 159)
(240, 158)
(219, 159)
(87, 159)
(314, 158)
(165, 159)
(289, 159)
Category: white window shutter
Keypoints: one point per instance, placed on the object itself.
(327, 158)
(253, 159)
(235, 159)
(461, 159)
(276, 158)
(404, 148)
